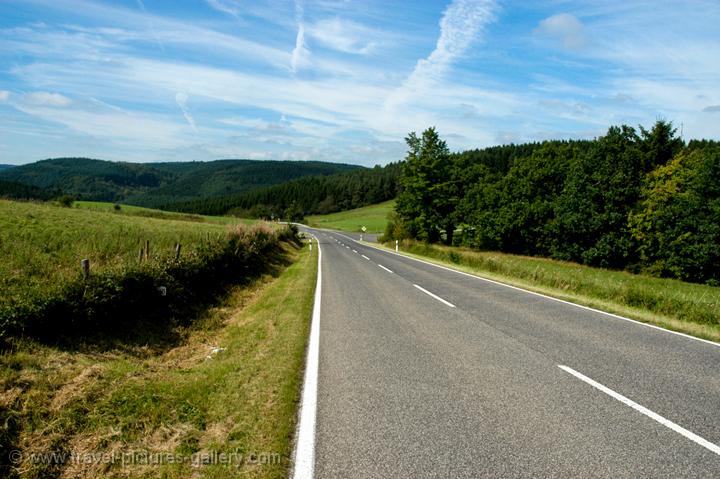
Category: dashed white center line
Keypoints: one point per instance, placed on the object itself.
(643, 410)
(448, 303)
(383, 267)
(365, 257)
(354, 251)
(347, 247)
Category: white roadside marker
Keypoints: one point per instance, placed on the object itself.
(448, 303)
(643, 410)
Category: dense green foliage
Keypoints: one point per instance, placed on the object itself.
(641, 200)
(153, 184)
(5, 167)
(20, 191)
(308, 195)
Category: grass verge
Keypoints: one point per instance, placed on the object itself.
(373, 217)
(685, 307)
(227, 393)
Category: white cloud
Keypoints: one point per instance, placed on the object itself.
(300, 53)
(230, 7)
(46, 99)
(4, 95)
(460, 26)
(344, 35)
(565, 27)
(150, 131)
(181, 99)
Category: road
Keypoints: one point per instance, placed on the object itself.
(425, 372)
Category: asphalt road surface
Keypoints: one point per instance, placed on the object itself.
(424, 372)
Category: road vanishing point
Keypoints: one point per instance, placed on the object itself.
(421, 371)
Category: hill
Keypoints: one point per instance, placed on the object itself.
(5, 167)
(372, 217)
(152, 184)
(304, 196)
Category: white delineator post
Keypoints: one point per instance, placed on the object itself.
(396, 246)
(310, 241)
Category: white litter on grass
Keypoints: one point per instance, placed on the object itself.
(215, 350)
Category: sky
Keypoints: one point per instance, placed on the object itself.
(344, 81)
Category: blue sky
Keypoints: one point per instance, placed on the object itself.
(344, 81)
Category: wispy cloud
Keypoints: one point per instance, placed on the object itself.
(225, 6)
(181, 99)
(300, 53)
(46, 99)
(564, 27)
(4, 95)
(150, 23)
(461, 25)
(344, 35)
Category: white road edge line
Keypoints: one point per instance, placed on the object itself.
(365, 257)
(643, 410)
(383, 267)
(434, 296)
(587, 308)
(304, 463)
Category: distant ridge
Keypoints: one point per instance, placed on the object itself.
(153, 184)
(5, 167)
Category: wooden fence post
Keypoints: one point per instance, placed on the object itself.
(147, 249)
(178, 247)
(85, 264)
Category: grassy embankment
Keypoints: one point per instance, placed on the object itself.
(227, 382)
(690, 308)
(373, 217)
(686, 307)
(153, 213)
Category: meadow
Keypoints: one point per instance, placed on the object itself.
(158, 214)
(373, 217)
(42, 244)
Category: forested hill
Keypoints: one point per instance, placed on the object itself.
(309, 195)
(5, 167)
(154, 184)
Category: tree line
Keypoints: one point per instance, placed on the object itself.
(641, 200)
(308, 195)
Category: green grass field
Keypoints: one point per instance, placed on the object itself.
(42, 244)
(159, 214)
(686, 307)
(373, 217)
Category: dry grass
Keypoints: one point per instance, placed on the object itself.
(231, 386)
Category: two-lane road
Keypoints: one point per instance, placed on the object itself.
(427, 372)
